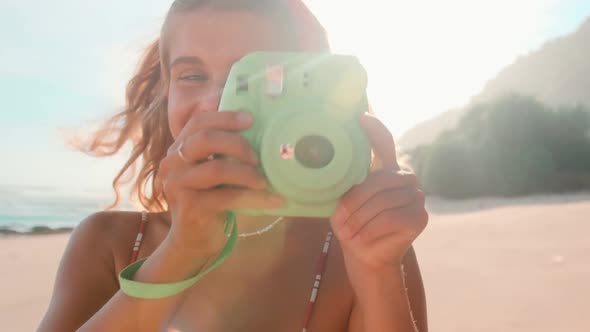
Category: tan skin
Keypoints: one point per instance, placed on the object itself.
(265, 284)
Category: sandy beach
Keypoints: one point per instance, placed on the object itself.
(498, 265)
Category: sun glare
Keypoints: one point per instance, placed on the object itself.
(425, 57)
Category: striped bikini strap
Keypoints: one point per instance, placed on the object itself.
(320, 269)
(139, 237)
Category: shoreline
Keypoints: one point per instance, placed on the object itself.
(35, 231)
(435, 206)
(441, 206)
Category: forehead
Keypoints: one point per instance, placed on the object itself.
(221, 34)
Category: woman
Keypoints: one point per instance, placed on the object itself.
(265, 285)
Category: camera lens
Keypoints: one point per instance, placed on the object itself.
(314, 151)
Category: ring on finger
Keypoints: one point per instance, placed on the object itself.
(181, 154)
(187, 160)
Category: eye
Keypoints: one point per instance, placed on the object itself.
(193, 77)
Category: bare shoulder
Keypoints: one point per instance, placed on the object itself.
(112, 232)
(102, 241)
(103, 232)
(107, 222)
(86, 278)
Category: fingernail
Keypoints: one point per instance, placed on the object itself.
(245, 118)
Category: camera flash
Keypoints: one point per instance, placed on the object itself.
(274, 80)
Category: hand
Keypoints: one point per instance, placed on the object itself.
(377, 220)
(196, 201)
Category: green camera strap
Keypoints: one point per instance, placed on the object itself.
(145, 290)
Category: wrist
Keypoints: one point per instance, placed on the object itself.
(167, 264)
(382, 300)
(377, 281)
(178, 248)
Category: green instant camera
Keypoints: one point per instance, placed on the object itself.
(306, 131)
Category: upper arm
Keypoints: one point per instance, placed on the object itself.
(85, 279)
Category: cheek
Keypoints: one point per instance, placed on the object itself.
(181, 104)
(175, 116)
(184, 101)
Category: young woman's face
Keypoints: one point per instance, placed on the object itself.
(202, 46)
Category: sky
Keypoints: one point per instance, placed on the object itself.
(65, 63)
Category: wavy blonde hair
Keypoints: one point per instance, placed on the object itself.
(144, 120)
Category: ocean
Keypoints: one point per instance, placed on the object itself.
(22, 208)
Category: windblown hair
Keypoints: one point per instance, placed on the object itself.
(144, 120)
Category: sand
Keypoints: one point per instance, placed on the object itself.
(499, 265)
(29, 265)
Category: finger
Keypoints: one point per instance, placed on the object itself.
(229, 121)
(171, 166)
(382, 201)
(408, 221)
(381, 141)
(382, 180)
(205, 143)
(222, 172)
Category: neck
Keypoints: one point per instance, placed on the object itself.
(248, 224)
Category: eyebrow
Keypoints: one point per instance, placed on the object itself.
(192, 60)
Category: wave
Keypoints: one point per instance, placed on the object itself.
(28, 208)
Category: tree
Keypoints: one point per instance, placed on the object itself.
(513, 145)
